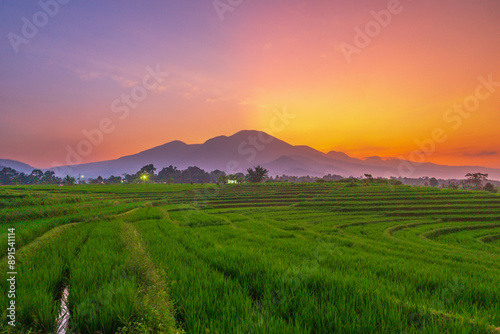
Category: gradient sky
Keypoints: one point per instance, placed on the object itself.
(233, 74)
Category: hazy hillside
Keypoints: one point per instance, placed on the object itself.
(19, 166)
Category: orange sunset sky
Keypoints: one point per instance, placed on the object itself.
(234, 73)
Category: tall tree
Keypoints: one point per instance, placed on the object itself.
(257, 174)
(147, 173)
(195, 174)
(36, 176)
(170, 174)
(148, 169)
(8, 176)
(22, 179)
(129, 178)
(490, 187)
(113, 180)
(433, 182)
(49, 178)
(476, 179)
(217, 176)
(69, 180)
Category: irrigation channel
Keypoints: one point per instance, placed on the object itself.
(270, 258)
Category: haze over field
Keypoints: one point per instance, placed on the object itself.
(366, 78)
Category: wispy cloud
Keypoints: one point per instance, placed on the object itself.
(92, 73)
(480, 154)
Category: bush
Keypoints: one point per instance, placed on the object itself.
(490, 187)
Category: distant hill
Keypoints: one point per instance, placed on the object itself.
(19, 166)
(248, 148)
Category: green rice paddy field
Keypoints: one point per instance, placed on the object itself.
(270, 258)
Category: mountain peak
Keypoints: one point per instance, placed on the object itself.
(246, 133)
(176, 142)
(215, 140)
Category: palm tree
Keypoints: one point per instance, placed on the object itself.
(257, 174)
(69, 180)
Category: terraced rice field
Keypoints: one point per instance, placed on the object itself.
(273, 258)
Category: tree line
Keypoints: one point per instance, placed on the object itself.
(10, 176)
(147, 174)
(171, 174)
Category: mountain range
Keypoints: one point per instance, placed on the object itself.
(19, 166)
(249, 148)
